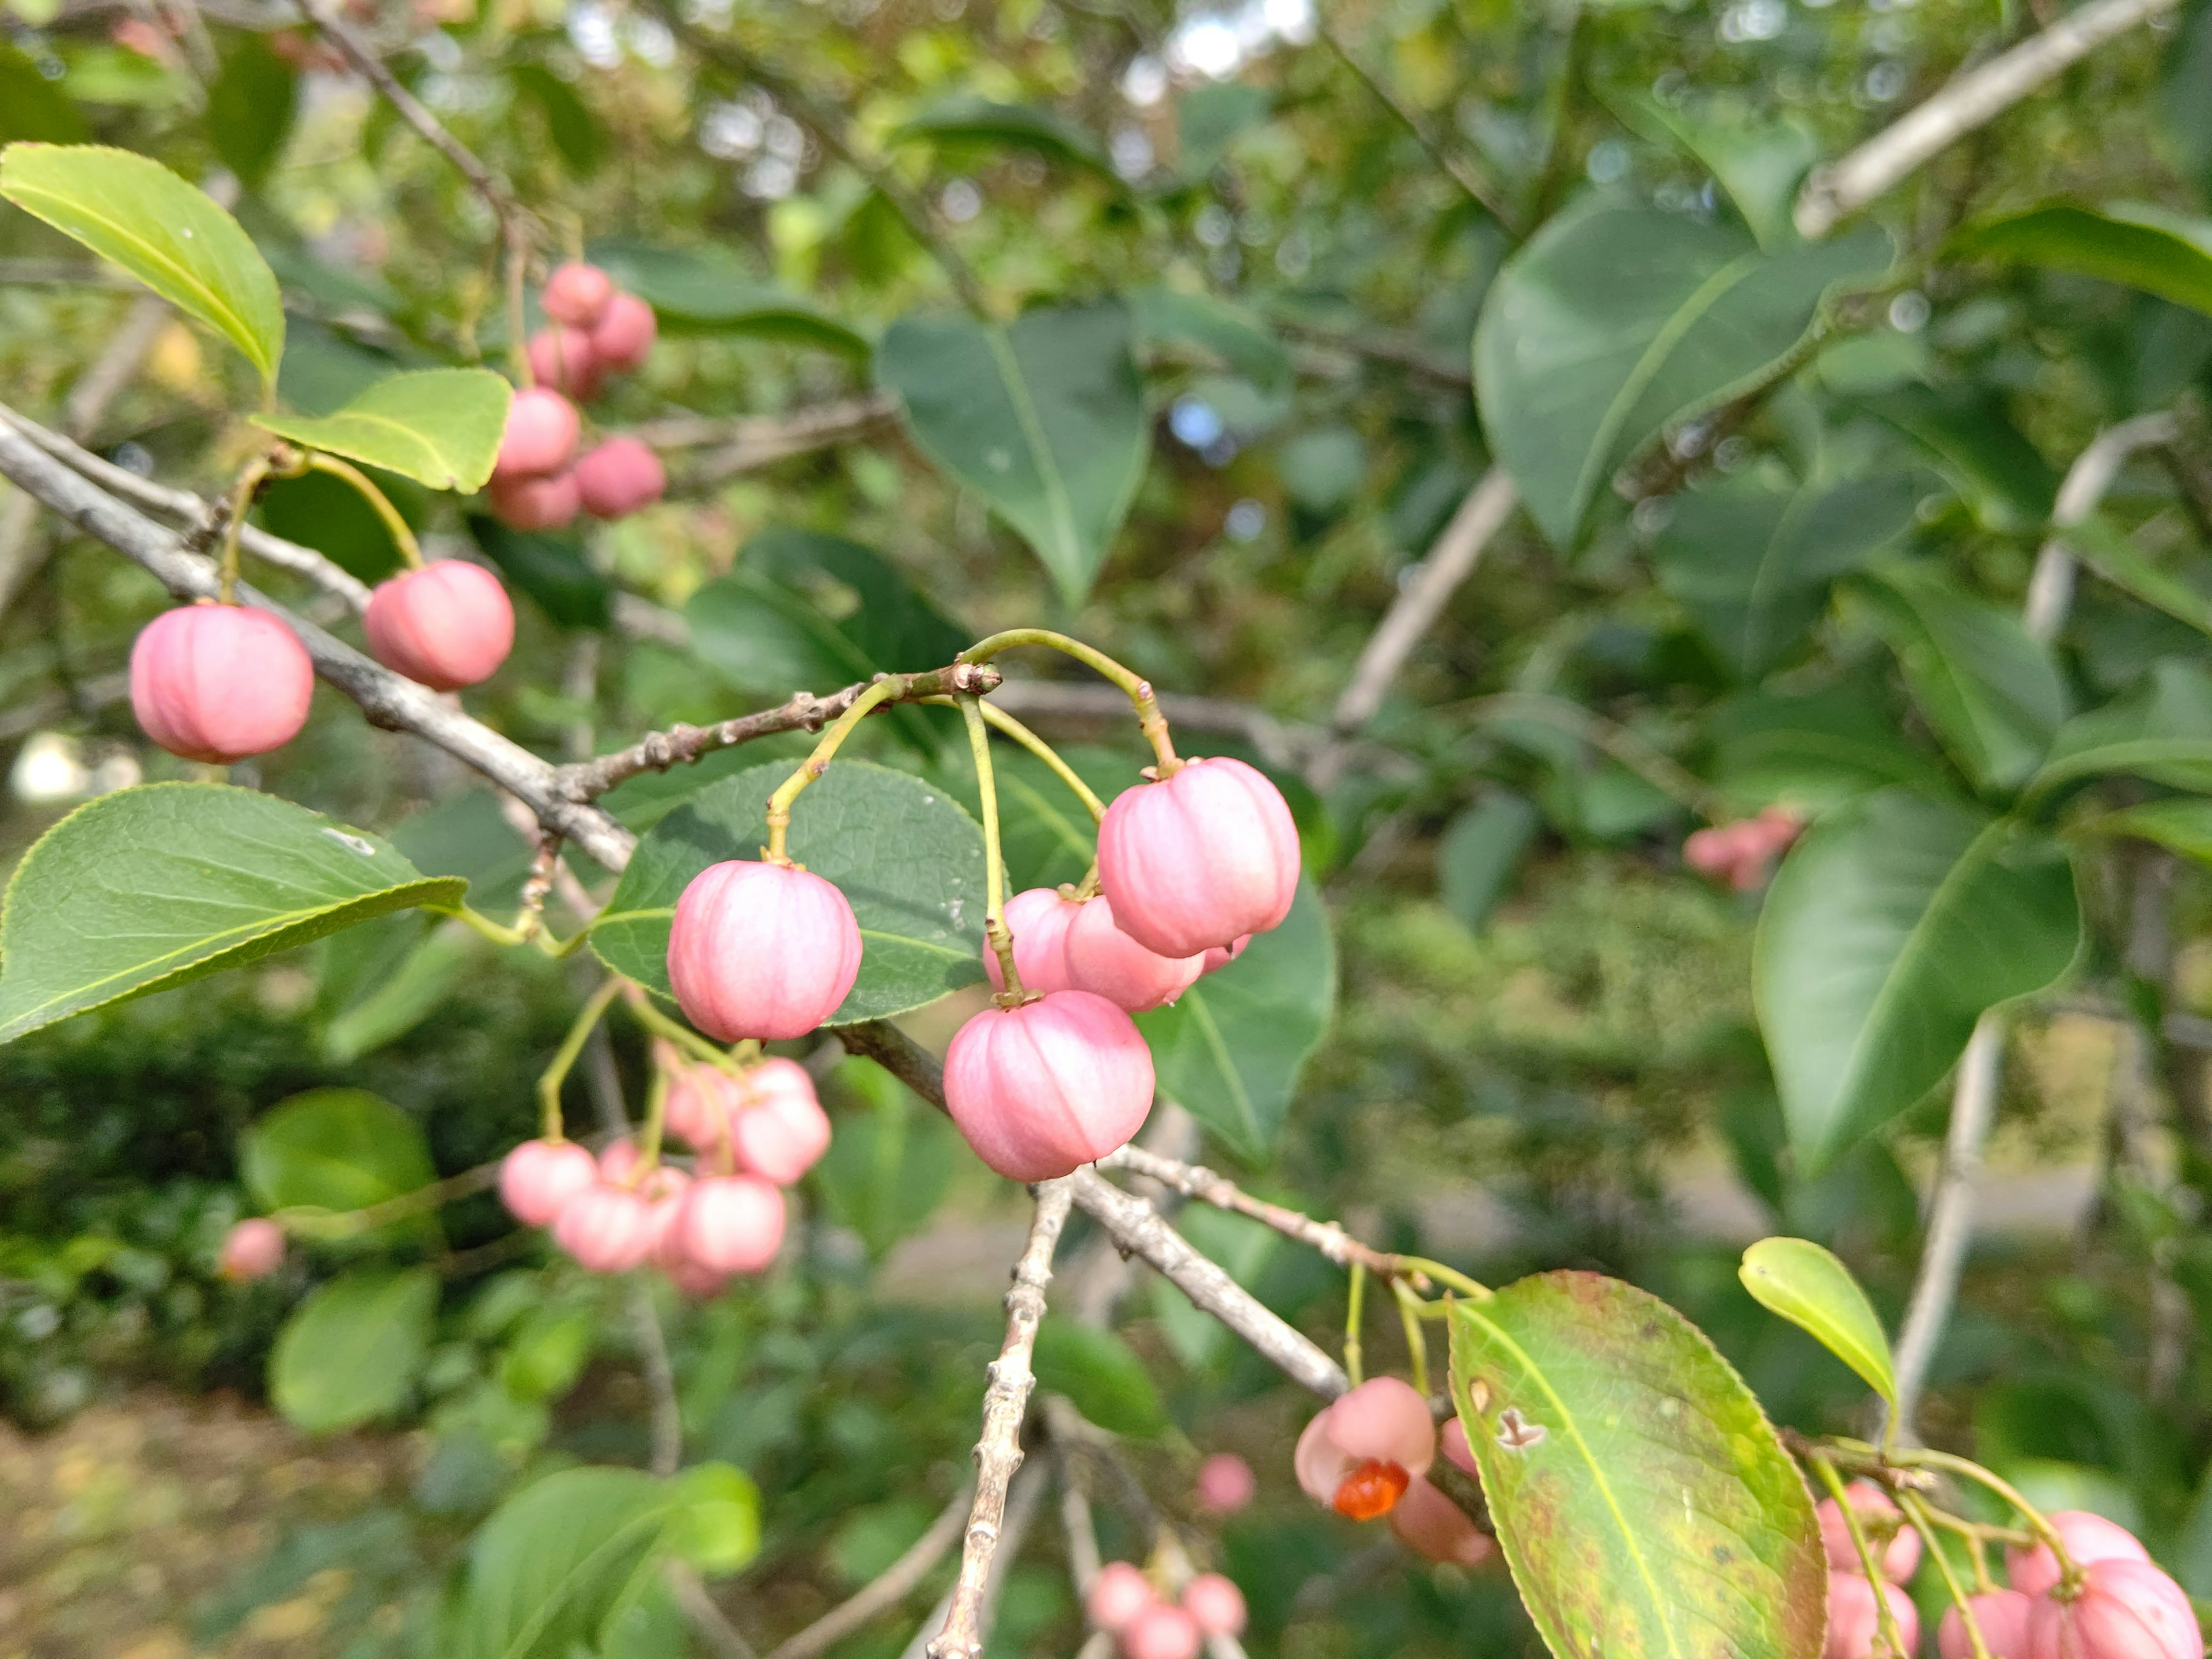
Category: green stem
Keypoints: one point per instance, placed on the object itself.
(641, 1005)
(564, 1057)
(1354, 1303)
(250, 480)
(995, 930)
(1916, 1512)
(1037, 746)
(518, 255)
(1417, 1339)
(779, 805)
(312, 1221)
(656, 1114)
(1444, 1275)
(402, 533)
(1150, 720)
(2069, 1571)
(1886, 1620)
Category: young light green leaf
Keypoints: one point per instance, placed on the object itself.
(2180, 823)
(350, 1352)
(2161, 252)
(440, 427)
(334, 1149)
(1810, 1288)
(2162, 731)
(161, 230)
(1642, 1500)
(149, 887)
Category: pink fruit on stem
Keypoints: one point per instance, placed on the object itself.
(1101, 958)
(563, 358)
(1225, 1484)
(1215, 1605)
(218, 682)
(1877, 1515)
(730, 1224)
(765, 951)
(618, 478)
(1451, 1440)
(623, 336)
(608, 1229)
(1117, 1596)
(1161, 1631)
(1040, 1089)
(446, 625)
(253, 1250)
(540, 437)
(544, 503)
(2002, 1614)
(1220, 956)
(1709, 852)
(1431, 1525)
(1038, 920)
(702, 1100)
(577, 293)
(1194, 860)
(694, 1281)
(2128, 1609)
(2088, 1537)
(1362, 1450)
(1853, 1619)
(538, 1177)
(781, 1131)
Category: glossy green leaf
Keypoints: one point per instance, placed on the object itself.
(1615, 322)
(1480, 852)
(1814, 748)
(2185, 78)
(1238, 340)
(2106, 549)
(160, 230)
(550, 567)
(1890, 928)
(890, 1161)
(905, 855)
(2162, 731)
(1645, 1506)
(250, 107)
(147, 888)
(1759, 163)
(421, 985)
(1101, 1374)
(979, 122)
(351, 1352)
(1966, 433)
(33, 108)
(440, 427)
(707, 291)
(2180, 823)
(334, 1149)
(1232, 1047)
(330, 515)
(1042, 417)
(2139, 245)
(578, 138)
(1805, 1284)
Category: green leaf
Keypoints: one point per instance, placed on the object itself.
(2187, 73)
(718, 1529)
(1810, 1288)
(1209, 118)
(1615, 322)
(578, 138)
(1814, 748)
(907, 858)
(2138, 246)
(32, 106)
(708, 291)
(977, 121)
(1239, 341)
(1101, 1375)
(1481, 850)
(250, 107)
(1966, 431)
(350, 1352)
(1644, 1504)
(1232, 1047)
(1993, 696)
(1042, 417)
(330, 515)
(1752, 561)
(2163, 732)
(161, 230)
(440, 427)
(2181, 824)
(551, 568)
(334, 1149)
(890, 1160)
(2101, 545)
(148, 888)
(1891, 926)
(1759, 163)
(419, 986)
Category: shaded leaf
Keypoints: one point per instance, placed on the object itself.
(1480, 852)
(2162, 731)
(440, 426)
(334, 1149)
(1812, 748)
(350, 1352)
(1241, 342)
(1759, 163)
(250, 107)
(705, 291)
(978, 121)
(2181, 824)
(33, 108)
(890, 1160)
(1101, 1374)
(1805, 1284)
(2139, 245)
(2101, 545)
(330, 515)
(1964, 430)
(550, 567)
(577, 134)
(1208, 120)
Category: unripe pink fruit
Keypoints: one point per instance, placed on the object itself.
(218, 682)
(1709, 852)
(1042, 1089)
(623, 336)
(1161, 1631)
(563, 358)
(1431, 1525)
(544, 503)
(782, 1131)
(2004, 1616)
(2127, 1609)
(253, 1250)
(1118, 1595)
(538, 1177)
(1451, 1440)
(577, 293)
(1199, 858)
(1876, 1511)
(1225, 1484)
(702, 1100)
(608, 1229)
(1853, 1621)
(730, 1224)
(1215, 1605)
(2088, 1537)
(1038, 919)
(1220, 956)
(1103, 959)
(619, 477)
(1363, 1449)
(763, 951)
(448, 625)
(540, 437)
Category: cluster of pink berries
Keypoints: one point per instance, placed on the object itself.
(1190, 866)
(1367, 1455)
(1743, 851)
(755, 1134)
(540, 483)
(1123, 1602)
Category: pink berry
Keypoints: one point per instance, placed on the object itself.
(1431, 1525)
(1215, 1605)
(1199, 858)
(1708, 851)
(1876, 1514)
(1451, 1440)
(563, 358)
(544, 503)
(1161, 1631)
(1853, 1620)
(538, 1177)
(2002, 1614)
(781, 1131)
(218, 682)
(1038, 920)
(730, 1224)
(2127, 1609)
(1101, 958)
(253, 1250)
(540, 437)
(1117, 1596)
(619, 477)
(1363, 1449)
(577, 293)
(1218, 956)
(694, 1281)
(763, 951)
(2088, 1538)
(623, 336)
(1044, 1088)
(701, 1099)
(446, 625)
(1225, 1484)
(608, 1229)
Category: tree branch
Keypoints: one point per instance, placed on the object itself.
(750, 441)
(885, 1590)
(2051, 587)
(1457, 166)
(1026, 1497)
(1196, 1181)
(667, 1419)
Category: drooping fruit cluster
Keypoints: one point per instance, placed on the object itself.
(1853, 1615)
(1367, 1455)
(1123, 1602)
(1742, 852)
(253, 1248)
(219, 682)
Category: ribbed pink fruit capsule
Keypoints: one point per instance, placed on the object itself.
(1118, 1595)
(1220, 956)
(1876, 1512)
(701, 1099)
(1710, 851)
(1362, 1450)
(446, 625)
(535, 504)
(1225, 1484)
(540, 1176)
(1451, 1441)
(2002, 1614)
(730, 1224)
(1215, 1605)
(618, 478)
(1161, 1631)
(763, 951)
(540, 437)
(1852, 1619)
(254, 1249)
(2088, 1537)
(218, 682)
(781, 1131)
(2127, 1610)
(1199, 858)
(1042, 1089)
(577, 293)
(623, 336)
(563, 358)
(1432, 1526)
(1037, 917)
(1101, 958)
(608, 1229)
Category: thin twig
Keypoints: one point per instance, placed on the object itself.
(703, 1616)
(885, 1590)
(1022, 1503)
(2051, 587)
(1196, 1181)
(667, 1418)
(748, 442)
(1457, 164)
